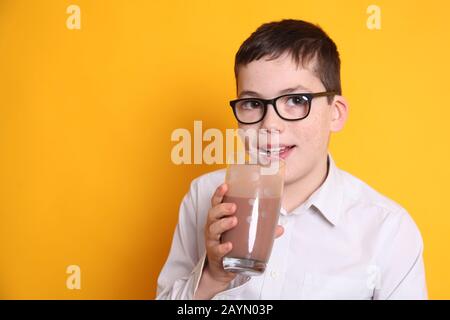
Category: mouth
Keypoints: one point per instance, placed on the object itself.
(281, 151)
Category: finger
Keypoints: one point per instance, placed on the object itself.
(217, 228)
(222, 249)
(220, 211)
(218, 195)
(279, 230)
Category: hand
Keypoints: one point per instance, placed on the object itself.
(220, 219)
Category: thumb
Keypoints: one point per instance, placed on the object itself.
(279, 230)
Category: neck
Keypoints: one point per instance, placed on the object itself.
(298, 191)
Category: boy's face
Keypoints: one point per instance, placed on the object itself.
(308, 137)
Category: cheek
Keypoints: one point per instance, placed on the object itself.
(251, 127)
(311, 134)
(311, 143)
(250, 132)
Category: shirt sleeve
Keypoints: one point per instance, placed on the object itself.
(181, 273)
(402, 267)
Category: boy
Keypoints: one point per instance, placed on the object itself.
(338, 238)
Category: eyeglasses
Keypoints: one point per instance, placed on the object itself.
(290, 107)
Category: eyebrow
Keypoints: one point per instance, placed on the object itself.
(284, 91)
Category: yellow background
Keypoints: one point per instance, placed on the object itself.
(86, 118)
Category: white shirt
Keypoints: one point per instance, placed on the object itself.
(346, 241)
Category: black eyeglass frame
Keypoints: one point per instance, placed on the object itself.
(273, 102)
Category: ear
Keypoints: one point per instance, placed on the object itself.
(339, 113)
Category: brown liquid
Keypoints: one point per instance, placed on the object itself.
(253, 236)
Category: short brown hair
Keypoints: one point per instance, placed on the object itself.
(303, 41)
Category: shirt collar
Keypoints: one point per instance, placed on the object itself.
(327, 199)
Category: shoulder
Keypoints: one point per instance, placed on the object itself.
(207, 183)
(364, 203)
(358, 191)
(201, 190)
(197, 201)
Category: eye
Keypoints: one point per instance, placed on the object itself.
(250, 104)
(297, 100)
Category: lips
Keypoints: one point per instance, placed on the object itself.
(281, 150)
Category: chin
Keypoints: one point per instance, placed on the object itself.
(294, 171)
(291, 177)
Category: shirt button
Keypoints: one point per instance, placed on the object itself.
(274, 274)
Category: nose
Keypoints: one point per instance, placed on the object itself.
(272, 121)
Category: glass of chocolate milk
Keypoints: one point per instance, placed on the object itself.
(256, 189)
